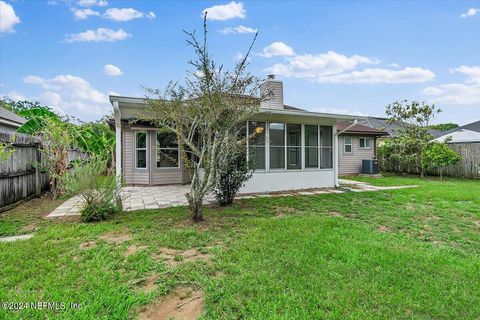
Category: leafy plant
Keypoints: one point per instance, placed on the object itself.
(100, 195)
(413, 118)
(232, 175)
(6, 151)
(443, 126)
(439, 155)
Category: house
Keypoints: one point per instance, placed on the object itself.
(393, 129)
(464, 140)
(464, 134)
(9, 121)
(293, 148)
(357, 143)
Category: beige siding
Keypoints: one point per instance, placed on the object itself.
(351, 163)
(132, 175)
(162, 175)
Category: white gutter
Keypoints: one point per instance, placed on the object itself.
(336, 151)
(118, 142)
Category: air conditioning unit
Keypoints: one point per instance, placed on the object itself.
(370, 166)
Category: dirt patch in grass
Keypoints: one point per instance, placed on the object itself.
(335, 214)
(115, 237)
(133, 249)
(88, 245)
(281, 212)
(174, 257)
(183, 303)
(384, 229)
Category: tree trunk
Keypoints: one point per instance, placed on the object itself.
(440, 170)
(196, 208)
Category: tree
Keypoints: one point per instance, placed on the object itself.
(413, 118)
(56, 139)
(232, 174)
(203, 113)
(439, 155)
(443, 126)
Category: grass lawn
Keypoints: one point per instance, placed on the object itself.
(396, 254)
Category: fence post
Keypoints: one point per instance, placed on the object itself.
(38, 180)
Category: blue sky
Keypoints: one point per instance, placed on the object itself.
(342, 57)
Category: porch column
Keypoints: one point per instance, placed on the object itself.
(118, 143)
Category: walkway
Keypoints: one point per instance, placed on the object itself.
(155, 197)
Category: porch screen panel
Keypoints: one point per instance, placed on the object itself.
(277, 145)
(167, 150)
(311, 146)
(256, 143)
(141, 149)
(294, 146)
(326, 147)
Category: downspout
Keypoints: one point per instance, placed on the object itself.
(336, 151)
(118, 143)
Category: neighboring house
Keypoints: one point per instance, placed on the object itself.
(464, 134)
(465, 140)
(9, 121)
(293, 148)
(392, 129)
(356, 144)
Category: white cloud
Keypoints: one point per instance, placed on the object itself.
(71, 95)
(377, 75)
(8, 18)
(101, 34)
(82, 14)
(111, 70)
(91, 3)
(320, 65)
(467, 93)
(126, 14)
(225, 11)
(470, 13)
(239, 29)
(473, 73)
(277, 49)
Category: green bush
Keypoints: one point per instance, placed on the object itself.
(100, 194)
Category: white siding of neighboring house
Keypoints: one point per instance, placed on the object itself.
(162, 175)
(132, 175)
(351, 163)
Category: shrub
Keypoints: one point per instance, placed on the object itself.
(231, 177)
(439, 155)
(100, 194)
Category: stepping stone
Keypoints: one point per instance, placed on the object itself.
(15, 238)
(306, 193)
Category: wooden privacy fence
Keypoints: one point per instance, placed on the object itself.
(20, 175)
(467, 167)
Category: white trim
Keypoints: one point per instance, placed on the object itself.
(169, 148)
(348, 144)
(137, 149)
(360, 144)
(118, 143)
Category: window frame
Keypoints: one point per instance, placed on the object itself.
(270, 146)
(345, 144)
(157, 149)
(365, 139)
(330, 147)
(317, 147)
(254, 146)
(141, 149)
(287, 146)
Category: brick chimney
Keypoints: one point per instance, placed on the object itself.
(273, 89)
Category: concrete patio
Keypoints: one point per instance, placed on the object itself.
(156, 197)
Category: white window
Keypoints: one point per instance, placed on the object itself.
(311, 146)
(347, 148)
(365, 143)
(294, 146)
(326, 147)
(277, 145)
(167, 150)
(141, 149)
(256, 143)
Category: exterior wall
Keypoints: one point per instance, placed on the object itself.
(289, 180)
(351, 163)
(151, 175)
(7, 128)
